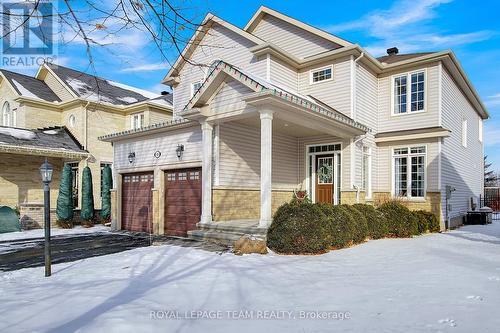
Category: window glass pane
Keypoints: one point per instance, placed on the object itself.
(321, 75)
(400, 151)
(417, 176)
(339, 172)
(417, 91)
(418, 150)
(400, 180)
(325, 170)
(400, 94)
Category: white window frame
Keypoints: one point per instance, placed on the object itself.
(408, 92)
(9, 116)
(193, 89)
(408, 179)
(312, 71)
(464, 132)
(311, 179)
(139, 115)
(480, 130)
(368, 189)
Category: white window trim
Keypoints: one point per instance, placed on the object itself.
(336, 161)
(317, 70)
(408, 93)
(192, 87)
(9, 119)
(138, 114)
(393, 172)
(464, 134)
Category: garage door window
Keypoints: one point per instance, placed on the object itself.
(194, 175)
(171, 177)
(182, 175)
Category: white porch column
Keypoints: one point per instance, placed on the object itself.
(206, 173)
(266, 136)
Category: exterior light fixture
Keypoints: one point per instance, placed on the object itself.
(131, 158)
(179, 150)
(46, 171)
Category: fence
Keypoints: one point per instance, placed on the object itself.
(491, 198)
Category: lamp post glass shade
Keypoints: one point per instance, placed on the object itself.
(46, 170)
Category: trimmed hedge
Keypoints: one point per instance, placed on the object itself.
(427, 221)
(299, 229)
(376, 221)
(361, 225)
(341, 225)
(306, 228)
(400, 220)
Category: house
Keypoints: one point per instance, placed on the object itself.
(281, 106)
(60, 113)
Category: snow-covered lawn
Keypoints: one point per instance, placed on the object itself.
(446, 282)
(40, 233)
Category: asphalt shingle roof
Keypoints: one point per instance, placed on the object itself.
(391, 59)
(97, 89)
(29, 86)
(49, 138)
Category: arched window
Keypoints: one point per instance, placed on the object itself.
(6, 114)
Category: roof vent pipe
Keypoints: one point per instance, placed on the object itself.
(392, 51)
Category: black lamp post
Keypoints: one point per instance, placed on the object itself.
(46, 173)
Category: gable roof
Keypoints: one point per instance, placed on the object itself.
(391, 59)
(97, 89)
(57, 140)
(263, 10)
(192, 44)
(28, 86)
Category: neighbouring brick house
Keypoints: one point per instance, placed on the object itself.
(281, 106)
(59, 114)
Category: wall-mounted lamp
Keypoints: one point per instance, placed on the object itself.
(179, 150)
(131, 158)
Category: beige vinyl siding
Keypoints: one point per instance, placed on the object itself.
(385, 175)
(389, 122)
(366, 97)
(336, 92)
(229, 97)
(291, 38)
(57, 87)
(239, 157)
(156, 117)
(462, 167)
(325, 139)
(165, 142)
(227, 46)
(283, 75)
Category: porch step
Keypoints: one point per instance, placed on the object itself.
(226, 232)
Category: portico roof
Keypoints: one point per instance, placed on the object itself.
(262, 87)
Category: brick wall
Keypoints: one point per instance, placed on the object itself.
(237, 204)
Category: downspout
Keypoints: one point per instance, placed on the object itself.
(353, 114)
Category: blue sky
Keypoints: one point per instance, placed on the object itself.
(471, 30)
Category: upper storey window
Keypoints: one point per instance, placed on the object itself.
(8, 115)
(195, 87)
(137, 120)
(409, 93)
(321, 74)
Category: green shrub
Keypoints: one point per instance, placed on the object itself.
(341, 225)
(64, 208)
(427, 221)
(376, 221)
(87, 211)
(299, 229)
(401, 222)
(360, 230)
(107, 185)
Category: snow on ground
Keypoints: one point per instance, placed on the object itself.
(40, 233)
(446, 282)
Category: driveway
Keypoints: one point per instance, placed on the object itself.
(24, 253)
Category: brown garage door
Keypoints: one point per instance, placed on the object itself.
(182, 201)
(136, 201)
